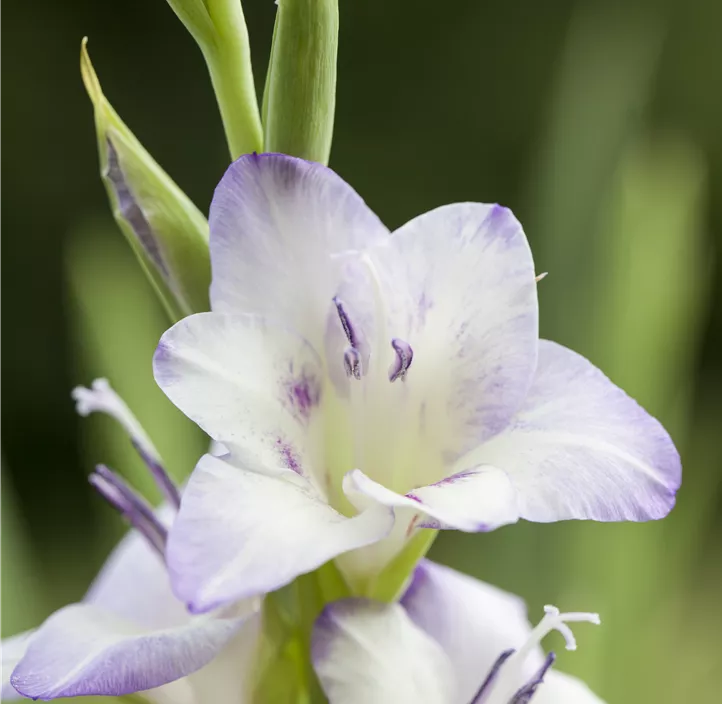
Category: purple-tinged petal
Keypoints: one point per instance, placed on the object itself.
(241, 533)
(476, 500)
(275, 221)
(84, 650)
(458, 284)
(134, 585)
(560, 688)
(581, 448)
(12, 650)
(364, 651)
(472, 621)
(252, 385)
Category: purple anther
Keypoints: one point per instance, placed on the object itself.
(352, 362)
(487, 684)
(524, 695)
(348, 328)
(133, 507)
(404, 357)
(162, 478)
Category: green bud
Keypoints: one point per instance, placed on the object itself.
(300, 95)
(166, 231)
(219, 28)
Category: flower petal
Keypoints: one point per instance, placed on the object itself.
(478, 499)
(251, 385)
(560, 688)
(241, 533)
(364, 651)
(581, 448)
(82, 650)
(472, 621)
(134, 585)
(275, 221)
(459, 285)
(12, 650)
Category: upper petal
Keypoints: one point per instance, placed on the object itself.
(252, 385)
(241, 533)
(560, 688)
(472, 621)
(458, 285)
(581, 448)
(83, 650)
(12, 651)
(275, 221)
(364, 651)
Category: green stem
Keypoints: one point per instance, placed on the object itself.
(228, 57)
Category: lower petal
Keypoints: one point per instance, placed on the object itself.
(560, 688)
(365, 651)
(581, 448)
(84, 650)
(241, 533)
(133, 584)
(12, 650)
(478, 499)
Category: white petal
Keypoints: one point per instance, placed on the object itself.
(365, 651)
(134, 585)
(560, 688)
(241, 533)
(472, 621)
(479, 499)
(274, 222)
(251, 385)
(83, 650)
(12, 651)
(459, 285)
(581, 448)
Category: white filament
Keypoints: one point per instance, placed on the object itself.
(512, 676)
(102, 398)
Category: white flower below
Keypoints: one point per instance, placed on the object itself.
(451, 640)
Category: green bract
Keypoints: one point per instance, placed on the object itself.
(167, 232)
(300, 94)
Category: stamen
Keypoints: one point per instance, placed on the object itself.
(404, 357)
(348, 328)
(541, 276)
(133, 507)
(352, 362)
(524, 695)
(506, 685)
(102, 398)
(161, 477)
(491, 677)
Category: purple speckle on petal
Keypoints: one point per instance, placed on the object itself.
(288, 456)
(304, 394)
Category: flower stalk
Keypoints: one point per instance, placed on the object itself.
(219, 28)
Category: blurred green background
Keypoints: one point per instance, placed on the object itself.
(598, 123)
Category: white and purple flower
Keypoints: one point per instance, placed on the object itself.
(369, 385)
(451, 640)
(130, 633)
